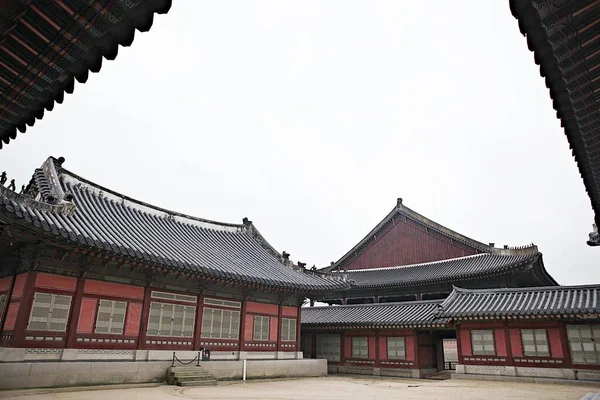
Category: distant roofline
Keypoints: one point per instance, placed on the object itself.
(398, 303)
(525, 289)
(401, 209)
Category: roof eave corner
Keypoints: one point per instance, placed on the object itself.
(259, 238)
(594, 238)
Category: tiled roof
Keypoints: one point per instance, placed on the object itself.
(470, 267)
(564, 38)
(521, 302)
(47, 45)
(115, 224)
(406, 314)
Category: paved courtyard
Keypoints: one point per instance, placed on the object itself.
(333, 387)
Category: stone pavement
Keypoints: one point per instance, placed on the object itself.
(332, 387)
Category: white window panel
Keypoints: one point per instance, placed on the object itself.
(49, 312)
(584, 343)
(360, 347)
(220, 324)
(396, 348)
(111, 317)
(482, 342)
(261, 327)
(173, 320)
(288, 329)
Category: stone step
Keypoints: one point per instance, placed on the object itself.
(193, 378)
(188, 373)
(211, 382)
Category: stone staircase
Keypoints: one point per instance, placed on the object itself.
(190, 376)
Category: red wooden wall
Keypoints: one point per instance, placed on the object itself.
(406, 243)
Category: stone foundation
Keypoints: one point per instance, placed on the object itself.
(526, 373)
(22, 375)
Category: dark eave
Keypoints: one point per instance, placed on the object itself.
(564, 37)
(452, 270)
(46, 45)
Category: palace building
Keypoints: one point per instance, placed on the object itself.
(85, 269)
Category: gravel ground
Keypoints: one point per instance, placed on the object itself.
(332, 387)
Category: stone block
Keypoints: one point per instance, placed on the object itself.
(153, 366)
(69, 355)
(12, 355)
(100, 367)
(15, 369)
(141, 355)
(460, 369)
(58, 368)
(588, 375)
(24, 382)
(510, 371)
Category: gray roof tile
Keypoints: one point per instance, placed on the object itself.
(522, 302)
(445, 270)
(406, 314)
(125, 227)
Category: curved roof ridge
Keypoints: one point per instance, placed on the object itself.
(394, 303)
(67, 176)
(415, 265)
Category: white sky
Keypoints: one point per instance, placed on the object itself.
(312, 117)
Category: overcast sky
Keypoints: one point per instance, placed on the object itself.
(312, 117)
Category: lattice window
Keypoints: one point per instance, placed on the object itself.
(584, 343)
(49, 312)
(173, 320)
(220, 324)
(535, 342)
(482, 341)
(360, 347)
(396, 348)
(329, 347)
(173, 296)
(111, 317)
(223, 303)
(288, 329)
(261, 327)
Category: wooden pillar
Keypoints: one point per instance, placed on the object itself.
(313, 344)
(25, 303)
(141, 343)
(564, 341)
(7, 300)
(416, 349)
(299, 330)
(377, 356)
(344, 301)
(458, 345)
(509, 354)
(73, 320)
(242, 345)
(418, 296)
(198, 325)
(279, 327)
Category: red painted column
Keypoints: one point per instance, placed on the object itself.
(298, 329)
(7, 300)
(74, 315)
(377, 357)
(279, 327)
(198, 326)
(416, 349)
(564, 340)
(507, 337)
(26, 301)
(141, 343)
(458, 344)
(242, 346)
